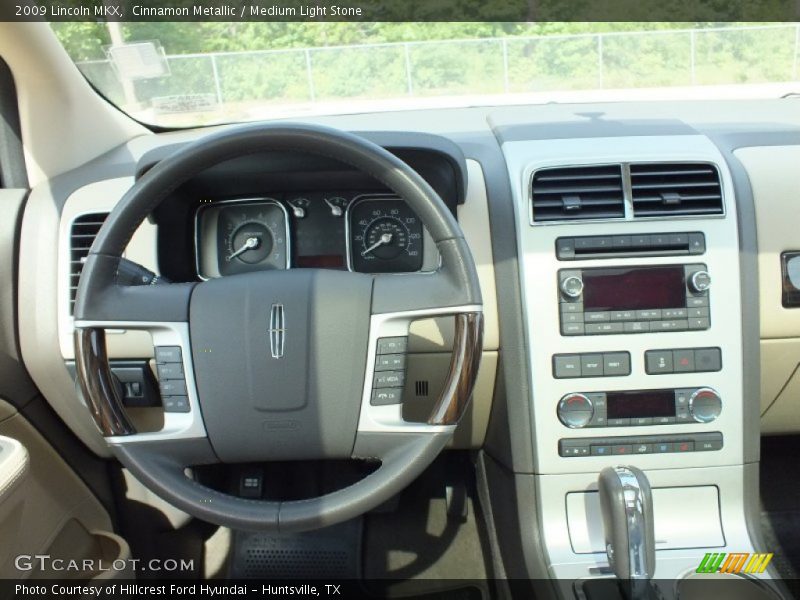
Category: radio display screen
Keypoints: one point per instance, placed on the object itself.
(632, 405)
(633, 288)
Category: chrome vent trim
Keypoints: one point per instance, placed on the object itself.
(82, 233)
(577, 193)
(675, 189)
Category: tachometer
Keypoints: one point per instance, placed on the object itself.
(385, 236)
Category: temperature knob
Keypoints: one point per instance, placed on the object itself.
(699, 282)
(705, 405)
(575, 410)
(572, 287)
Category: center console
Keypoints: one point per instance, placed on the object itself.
(631, 285)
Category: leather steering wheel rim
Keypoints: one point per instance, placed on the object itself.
(161, 461)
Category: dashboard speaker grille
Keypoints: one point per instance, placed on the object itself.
(577, 193)
(84, 230)
(670, 189)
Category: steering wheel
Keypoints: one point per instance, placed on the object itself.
(277, 365)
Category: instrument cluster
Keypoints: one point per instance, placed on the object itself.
(368, 233)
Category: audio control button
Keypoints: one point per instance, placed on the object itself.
(572, 287)
(699, 282)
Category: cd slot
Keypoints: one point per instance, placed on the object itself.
(621, 246)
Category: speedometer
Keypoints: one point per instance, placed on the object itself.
(385, 236)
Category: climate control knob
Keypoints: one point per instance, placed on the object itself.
(699, 282)
(705, 405)
(575, 410)
(572, 287)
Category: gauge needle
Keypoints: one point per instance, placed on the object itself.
(297, 211)
(251, 242)
(384, 239)
(336, 211)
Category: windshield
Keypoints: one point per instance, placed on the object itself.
(186, 74)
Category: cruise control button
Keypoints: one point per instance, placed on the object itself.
(385, 396)
(175, 404)
(566, 366)
(617, 363)
(168, 354)
(172, 387)
(708, 359)
(658, 362)
(170, 370)
(683, 361)
(392, 345)
(386, 379)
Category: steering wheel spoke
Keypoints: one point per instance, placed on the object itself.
(182, 416)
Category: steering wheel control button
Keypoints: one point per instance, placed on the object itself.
(390, 362)
(175, 404)
(168, 354)
(170, 370)
(385, 379)
(705, 405)
(386, 396)
(172, 387)
(392, 345)
(575, 410)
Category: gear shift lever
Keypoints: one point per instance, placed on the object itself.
(627, 506)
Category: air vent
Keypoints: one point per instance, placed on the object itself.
(81, 236)
(671, 189)
(577, 193)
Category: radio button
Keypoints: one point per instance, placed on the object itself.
(698, 312)
(660, 240)
(597, 317)
(679, 239)
(571, 307)
(649, 315)
(601, 328)
(572, 287)
(623, 315)
(702, 323)
(696, 301)
(572, 328)
(674, 325)
(637, 327)
(619, 422)
(658, 362)
(699, 282)
(592, 365)
(697, 243)
(674, 313)
(622, 242)
(640, 241)
(572, 317)
(683, 360)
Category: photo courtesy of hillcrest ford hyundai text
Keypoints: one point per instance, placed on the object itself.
(365, 299)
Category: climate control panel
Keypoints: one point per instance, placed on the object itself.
(577, 410)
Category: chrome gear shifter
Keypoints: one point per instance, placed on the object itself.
(626, 502)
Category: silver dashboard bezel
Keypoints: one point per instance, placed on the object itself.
(198, 243)
(627, 193)
(347, 231)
